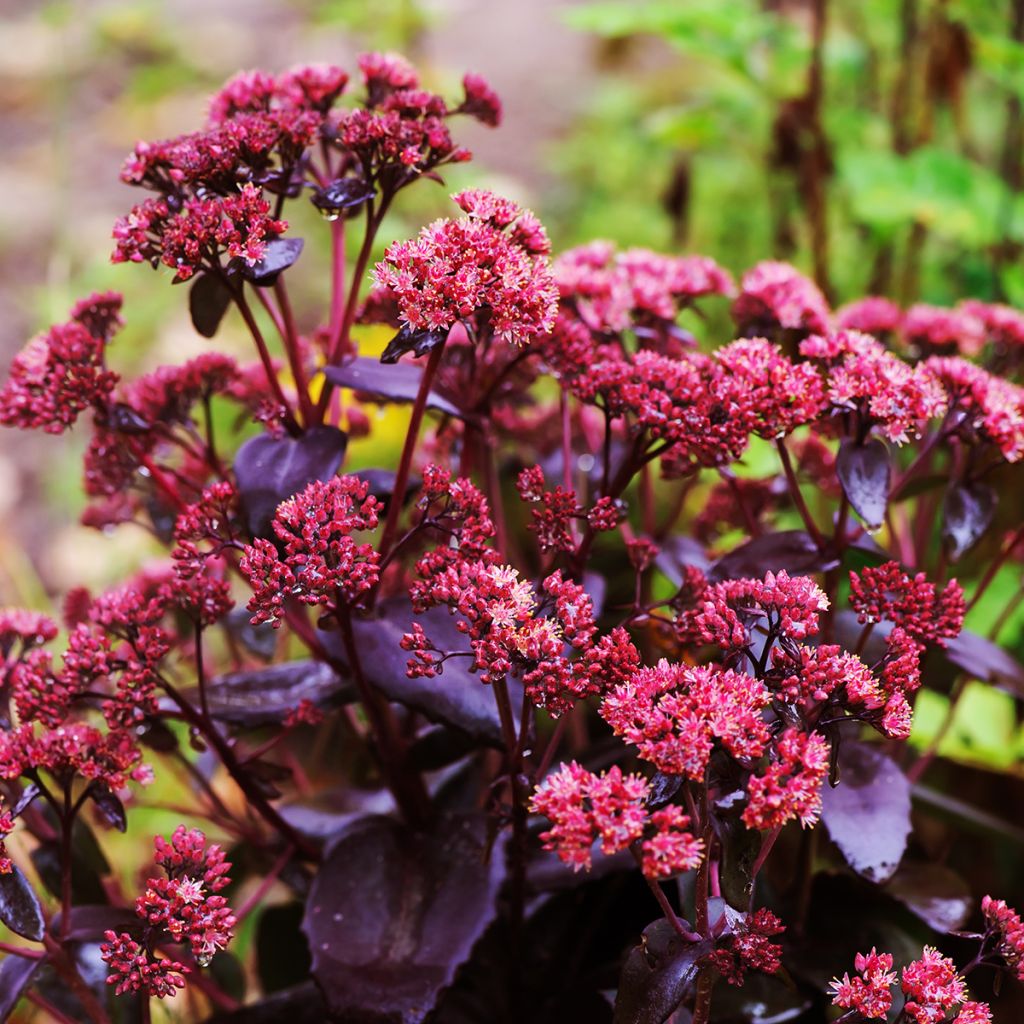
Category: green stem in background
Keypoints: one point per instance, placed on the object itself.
(408, 450)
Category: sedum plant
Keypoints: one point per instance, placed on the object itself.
(594, 705)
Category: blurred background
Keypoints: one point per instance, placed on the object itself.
(876, 144)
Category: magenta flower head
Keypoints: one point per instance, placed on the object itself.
(487, 269)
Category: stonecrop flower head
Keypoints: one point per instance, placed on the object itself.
(726, 612)
(319, 563)
(989, 408)
(674, 715)
(923, 611)
(749, 947)
(614, 291)
(790, 787)
(932, 987)
(871, 315)
(866, 379)
(775, 296)
(6, 828)
(490, 265)
(870, 994)
(611, 809)
(182, 908)
(1004, 925)
(61, 373)
(935, 330)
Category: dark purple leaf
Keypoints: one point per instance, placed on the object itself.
(982, 659)
(208, 301)
(740, 848)
(547, 872)
(678, 552)
(271, 469)
(28, 794)
(439, 746)
(90, 921)
(343, 195)
(865, 472)
(409, 340)
(124, 419)
(456, 698)
(658, 975)
(967, 512)
(399, 382)
(792, 550)
(263, 696)
(282, 954)
(663, 787)
(260, 640)
(303, 1004)
(19, 906)
(393, 913)
(109, 805)
(868, 813)
(280, 254)
(15, 975)
(382, 484)
(761, 1000)
(935, 893)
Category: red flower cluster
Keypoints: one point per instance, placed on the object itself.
(872, 315)
(59, 374)
(674, 714)
(558, 508)
(929, 329)
(776, 296)
(320, 563)
(748, 947)
(612, 292)
(6, 828)
(989, 408)
(884, 391)
(1005, 925)
(185, 906)
(790, 787)
(197, 235)
(779, 604)
(932, 987)
(23, 629)
(611, 808)
(923, 611)
(871, 993)
(488, 262)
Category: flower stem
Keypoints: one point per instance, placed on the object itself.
(796, 495)
(409, 448)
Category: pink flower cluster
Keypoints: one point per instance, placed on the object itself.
(490, 263)
(611, 809)
(674, 715)
(613, 291)
(319, 563)
(871, 993)
(6, 828)
(184, 906)
(774, 296)
(923, 611)
(790, 787)
(1004, 923)
(552, 520)
(196, 236)
(59, 374)
(749, 947)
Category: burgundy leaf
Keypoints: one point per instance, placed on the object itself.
(15, 975)
(409, 340)
(676, 553)
(301, 1004)
(90, 921)
(982, 659)
(761, 1000)
(263, 696)
(792, 550)
(392, 914)
(967, 511)
(28, 794)
(866, 473)
(208, 301)
(658, 975)
(393, 383)
(280, 254)
(456, 698)
(109, 805)
(935, 893)
(343, 195)
(868, 813)
(270, 469)
(19, 906)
